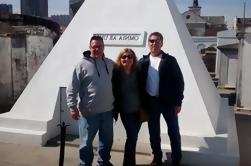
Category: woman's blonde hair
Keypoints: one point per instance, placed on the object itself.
(132, 53)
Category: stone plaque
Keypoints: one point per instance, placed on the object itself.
(135, 39)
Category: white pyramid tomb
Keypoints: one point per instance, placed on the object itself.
(34, 117)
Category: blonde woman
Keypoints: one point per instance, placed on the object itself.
(127, 100)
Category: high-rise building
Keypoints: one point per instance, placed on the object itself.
(62, 20)
(5, 8)
(34, 8)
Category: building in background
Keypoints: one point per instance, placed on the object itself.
(6, 9)
(37, 8)
(25, 42)
(203, 30)
(202, 25)
(74, 6)
(227, 53)
(62, 20)
(227, 59)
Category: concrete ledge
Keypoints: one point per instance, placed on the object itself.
(218, 143)
(26, 124)
(10, 135)
(198, 158)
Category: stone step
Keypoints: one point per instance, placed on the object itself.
(217, 143)
(26, 124)
(198, 157)
(22, 136)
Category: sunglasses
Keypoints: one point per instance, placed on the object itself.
(126, 57)
(155, 41)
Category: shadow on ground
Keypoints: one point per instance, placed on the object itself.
(57, 140)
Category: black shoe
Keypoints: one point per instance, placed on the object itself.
(156, 162)
(108, 164)
(175, 163)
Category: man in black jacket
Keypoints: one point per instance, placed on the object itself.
(162, 88)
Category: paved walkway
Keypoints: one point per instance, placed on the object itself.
(28, 155)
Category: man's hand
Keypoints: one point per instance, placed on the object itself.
(177, 109)
(75, 113)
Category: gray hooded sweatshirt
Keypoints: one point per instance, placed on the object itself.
(91, 83)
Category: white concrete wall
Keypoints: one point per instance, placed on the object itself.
(21, 56)
(223, 38)
(37, 49)
(223, 70)
(232, 69)
(194, 18)
(206, 41)
(228, 68)
(245, 78)
(5, 71)
(19, 64)
(197, 29)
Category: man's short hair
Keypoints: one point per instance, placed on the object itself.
(96, 37)
(156, 34)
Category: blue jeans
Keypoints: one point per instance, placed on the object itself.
(88, 128)
(132, 126)
(155, 110)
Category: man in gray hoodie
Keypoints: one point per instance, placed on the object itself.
(91, 83)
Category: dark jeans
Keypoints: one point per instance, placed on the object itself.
(155, 110)
(132, 126)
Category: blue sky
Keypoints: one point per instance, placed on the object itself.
(227, 8)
